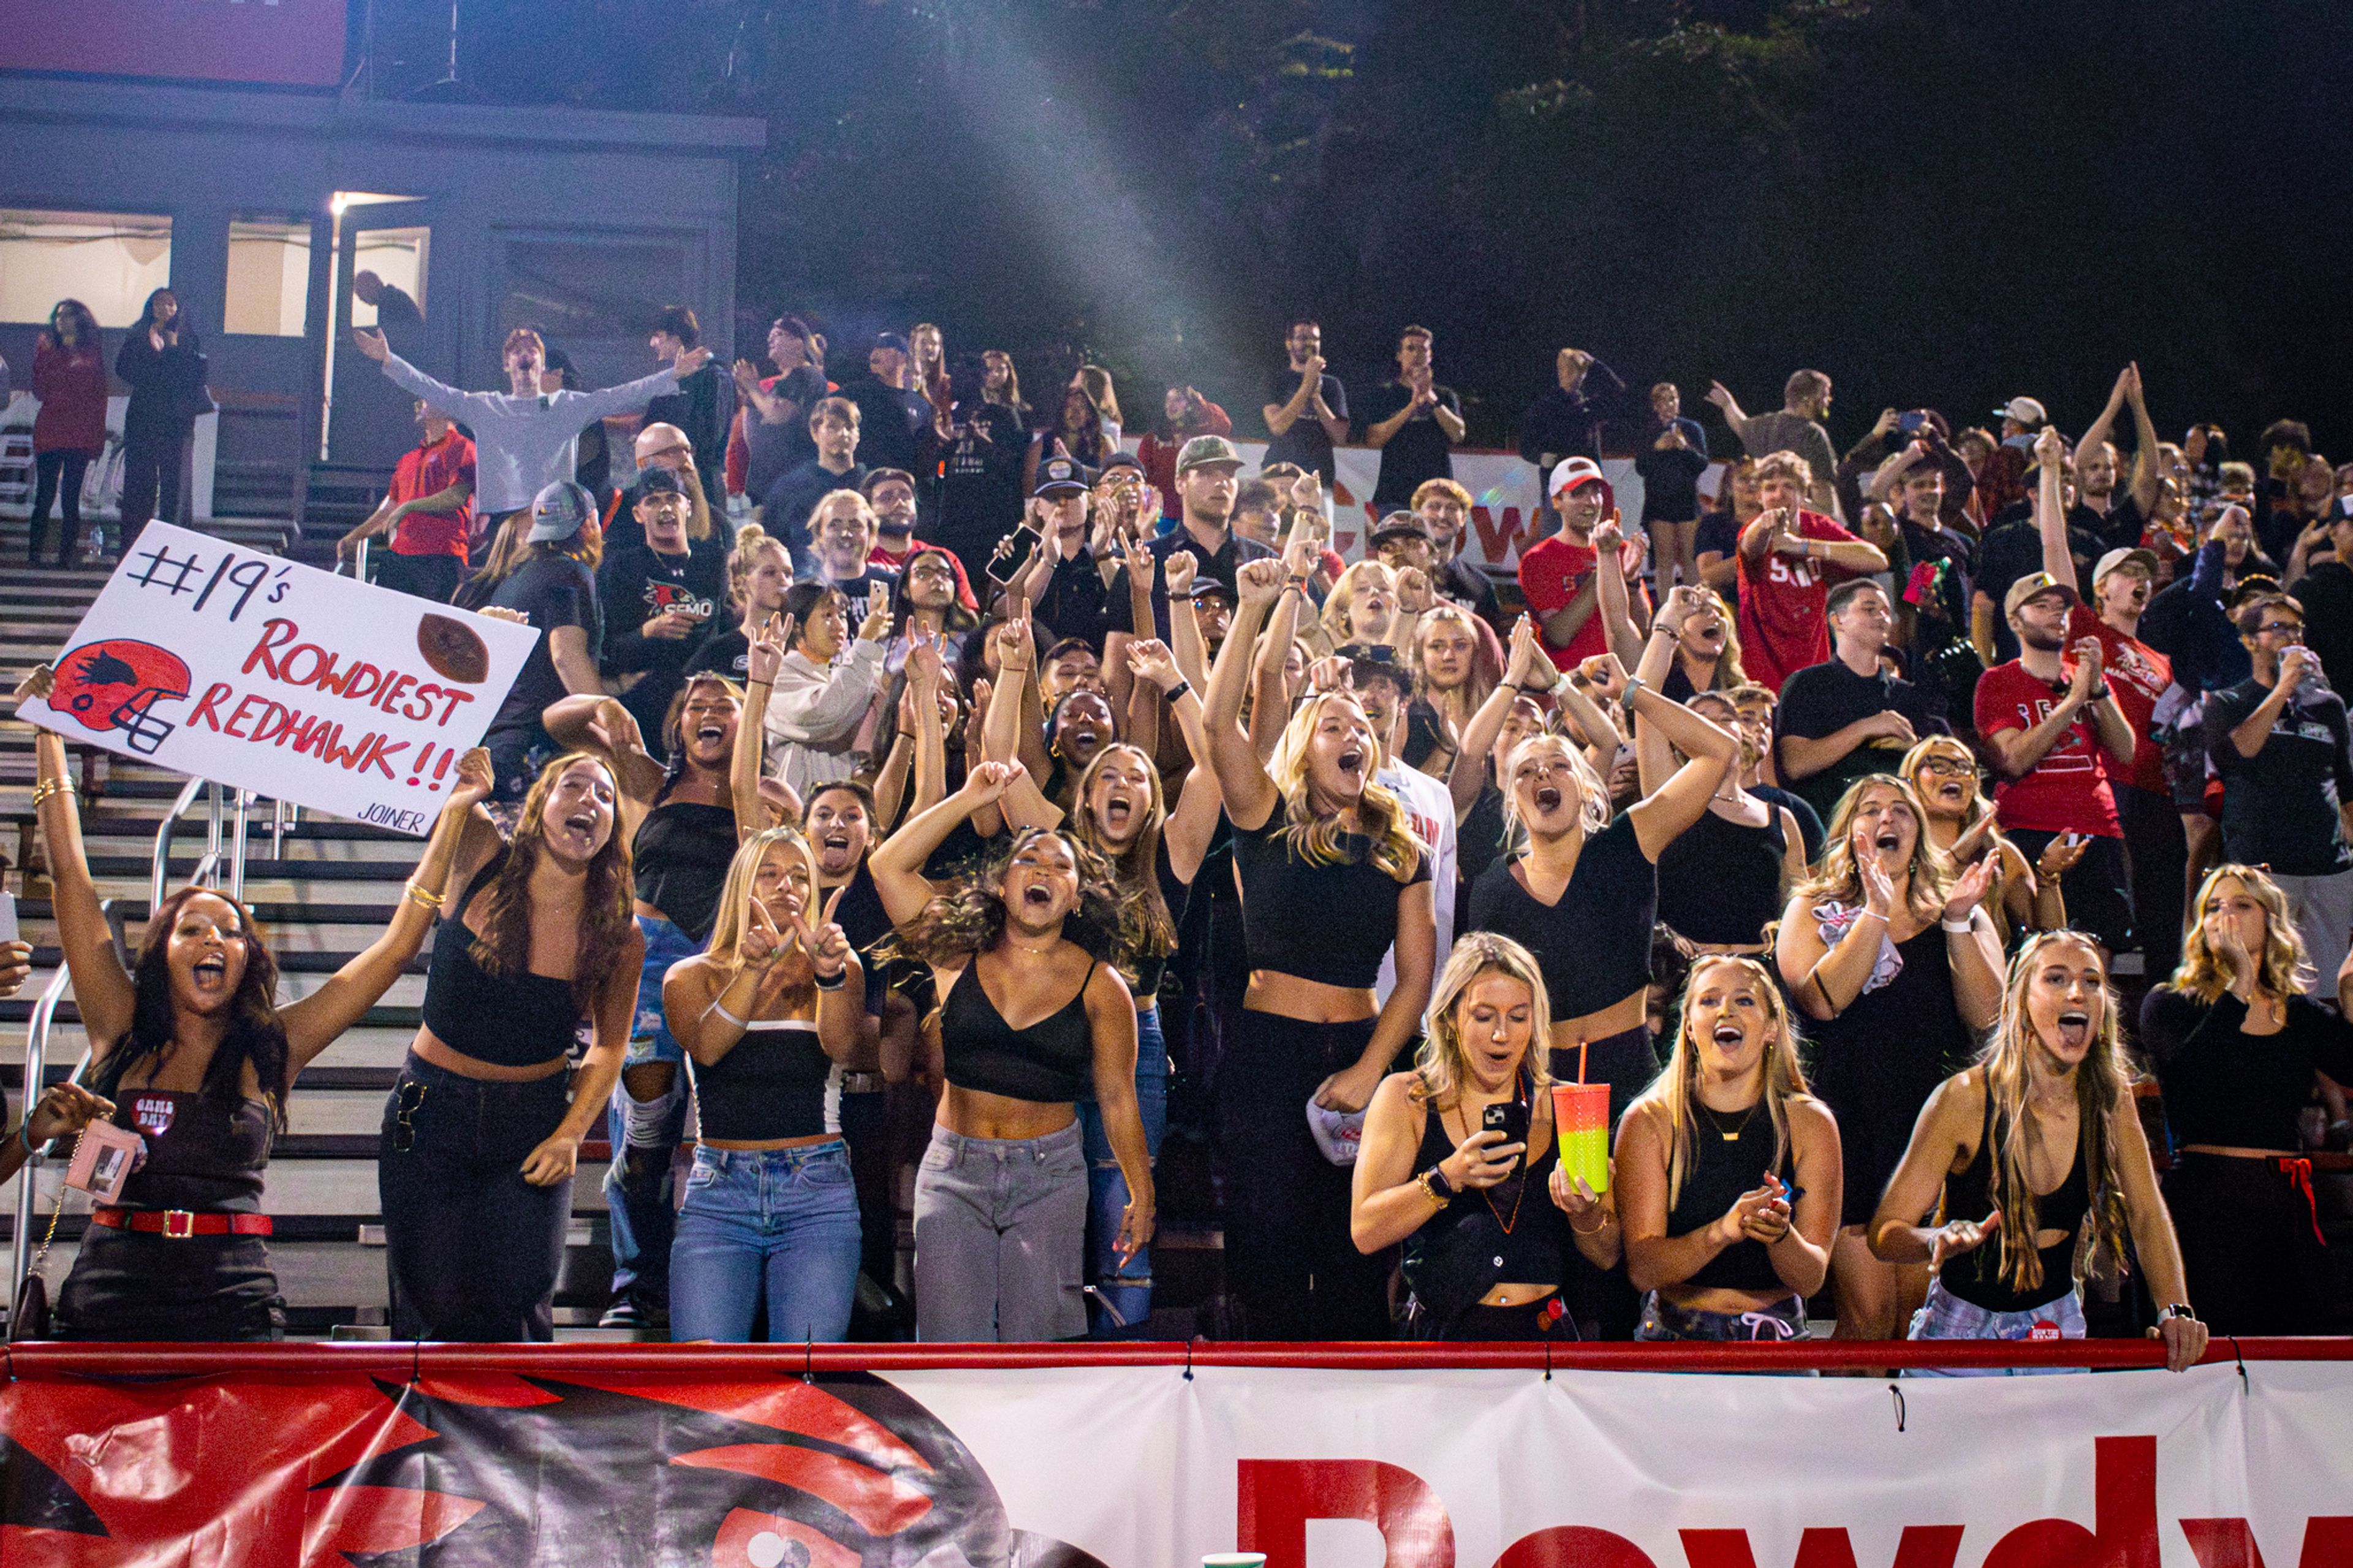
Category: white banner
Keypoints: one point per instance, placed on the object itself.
(1143, 1468)
(262, 673)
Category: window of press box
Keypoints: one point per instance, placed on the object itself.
(268, 277)
(109, 261)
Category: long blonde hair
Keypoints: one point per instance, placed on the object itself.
(1477, 685)
(1673, 1099)
(1315, 839)
(2283, 968)
(2100, 1082)
(734, 916)
(1593, 789)
(1837, 877)
(1438, 1063)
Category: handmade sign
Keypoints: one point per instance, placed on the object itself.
(214, 660)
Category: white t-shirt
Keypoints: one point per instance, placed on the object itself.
(1429, 807)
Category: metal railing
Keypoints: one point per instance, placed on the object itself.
(158, 883)
(37, 1050)
(226, 839)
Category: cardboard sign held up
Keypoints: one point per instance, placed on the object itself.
(208, 659)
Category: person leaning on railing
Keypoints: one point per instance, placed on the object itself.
(197, 1058)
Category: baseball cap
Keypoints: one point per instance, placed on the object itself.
(1207, 452)
(1062, 477)
(1120, 461)
(654, 481)
(892, 341)
(2025, 410)
(2146, 559)
(1338, 1135)
(1398, 525)
(1570, 472)
(1209, 587)
(2033, 586)
(1374, 661)
(559, 511)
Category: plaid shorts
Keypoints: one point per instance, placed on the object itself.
(1947, 1317)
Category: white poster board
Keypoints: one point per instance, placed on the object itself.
(262, 673)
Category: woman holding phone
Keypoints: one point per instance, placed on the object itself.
(191, 1052)
(1459, 1163)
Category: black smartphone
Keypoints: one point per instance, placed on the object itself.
(1004, 567)
(1511, 1119)
(1910, 424)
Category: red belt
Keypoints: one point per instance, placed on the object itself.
(181, 1223)
(2299, 1176)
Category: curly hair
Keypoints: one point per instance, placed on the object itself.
(504, 948)
(2283, 968)
(967, 916)
(255, 1033)
(1315, 837)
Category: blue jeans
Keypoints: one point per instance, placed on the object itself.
(637, 1189)
(781, 1223)
(1123, 1289)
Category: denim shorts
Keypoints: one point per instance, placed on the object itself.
(650, 1036)
(1947, 1317)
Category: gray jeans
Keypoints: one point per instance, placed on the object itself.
(2321, 908)
(1000, 1227)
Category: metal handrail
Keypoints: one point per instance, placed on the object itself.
(158, 883)
(36, 1045)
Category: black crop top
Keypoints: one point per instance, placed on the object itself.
(510, 1021)
(679, 861)
(1465, 1250)
(203, 1152)
(1724, 1164)
(2225, 1087)
(776, 1082)
(1331, 924)
(1594, 946)
(1052, 1061)
(1976, 1276)
(1720, 882)
(1175, 894)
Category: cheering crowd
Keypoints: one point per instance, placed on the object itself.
(1467, 924)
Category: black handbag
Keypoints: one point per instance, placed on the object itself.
(28, 1314)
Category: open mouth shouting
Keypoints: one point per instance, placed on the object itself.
(1548, 798)
(210, 975)
(1888, 840)
(1119, 813)
(2075, 1028)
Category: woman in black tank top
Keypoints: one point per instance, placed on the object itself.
(1001, 1196)
(1331, 877)
(682, 825)
(483, 1130)
(198, 1058)
(1896, 1002)
(1722, 879)
(2023, 1151)
(1728, 1170)
(768, 1017)
(1490, 1223)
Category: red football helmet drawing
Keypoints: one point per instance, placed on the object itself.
(116, 684)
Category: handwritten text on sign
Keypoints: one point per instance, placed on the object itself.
(275, 677)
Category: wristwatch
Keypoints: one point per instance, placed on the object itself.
(2177, 1309)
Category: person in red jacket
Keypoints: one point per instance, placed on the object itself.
(70, 432)
(1789, 559)
(1187, 413)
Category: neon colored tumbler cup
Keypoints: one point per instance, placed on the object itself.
(1580, 1116)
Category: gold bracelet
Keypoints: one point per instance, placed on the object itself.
(418, 895)
(1597, 1230)
(47, 787)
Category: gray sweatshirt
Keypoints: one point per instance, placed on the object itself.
(522, 445)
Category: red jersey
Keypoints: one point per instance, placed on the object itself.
(1784, 616)
(2068, 790)
(1552, 573)
(2138, 675)
(429, 470)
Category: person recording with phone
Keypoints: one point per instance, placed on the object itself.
(1459, 1163)
(661, 596)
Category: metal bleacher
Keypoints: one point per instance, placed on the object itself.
(321, 888)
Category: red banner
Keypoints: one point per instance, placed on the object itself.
(1321, 1456)
(289, 43)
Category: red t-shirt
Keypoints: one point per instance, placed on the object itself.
(2138, 675)
(427, 471)
(1553, 572)
(2068, 790)
(1784, 620)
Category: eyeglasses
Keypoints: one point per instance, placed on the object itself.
(1947, 768)
(2292, 631)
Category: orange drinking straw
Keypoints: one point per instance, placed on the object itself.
(1580, 1061)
